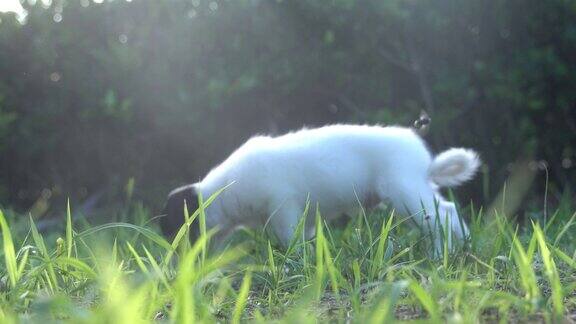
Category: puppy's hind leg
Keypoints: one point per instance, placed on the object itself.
(417, 199)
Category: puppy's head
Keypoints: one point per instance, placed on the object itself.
(174, 211)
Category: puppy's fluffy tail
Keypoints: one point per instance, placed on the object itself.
(453, 167)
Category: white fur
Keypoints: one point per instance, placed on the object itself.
(454, 166)
(334, 166)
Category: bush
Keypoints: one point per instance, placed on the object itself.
(93, 94)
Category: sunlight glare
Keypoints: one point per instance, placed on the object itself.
(11, 6)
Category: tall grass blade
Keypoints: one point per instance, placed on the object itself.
(320, 241)
(69, 232)
(142, 230)
(184, 310)
(551, 273)
(159, 273)
(271, 263)
(77, 264)
(202, 218)
(39, 241)
(525, 272)
(189, 219)
(333, 273)
(9, 252)
(23, 262)
(565, 229)
(242, 297)
(137, 258)
(384, 311)
(426, 300)
(381, 250)
(564, 257)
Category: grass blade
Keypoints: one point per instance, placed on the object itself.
(525, 272)
(551, 273)
(142, 230)
(157, 269)
(333, 273)
(69, 232)
(242, 297)
(319, 255)
(9, 252)
(384, 311)
(39, 241)
(565, 258)
(380, 251)
(271, 263)
(139, 262)
(426, 300)
(78, 265)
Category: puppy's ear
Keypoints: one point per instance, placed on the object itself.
(174, 210)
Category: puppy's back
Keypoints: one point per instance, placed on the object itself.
(335, 150)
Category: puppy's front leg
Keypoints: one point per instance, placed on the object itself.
(284, 220)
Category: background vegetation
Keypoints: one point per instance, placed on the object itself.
(95, 94)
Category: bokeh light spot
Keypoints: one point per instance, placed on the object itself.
(55, 77)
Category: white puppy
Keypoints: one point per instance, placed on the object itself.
(334, 167)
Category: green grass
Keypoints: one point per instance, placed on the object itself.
(375, 269)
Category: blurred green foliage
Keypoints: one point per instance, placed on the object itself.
(92, 94)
